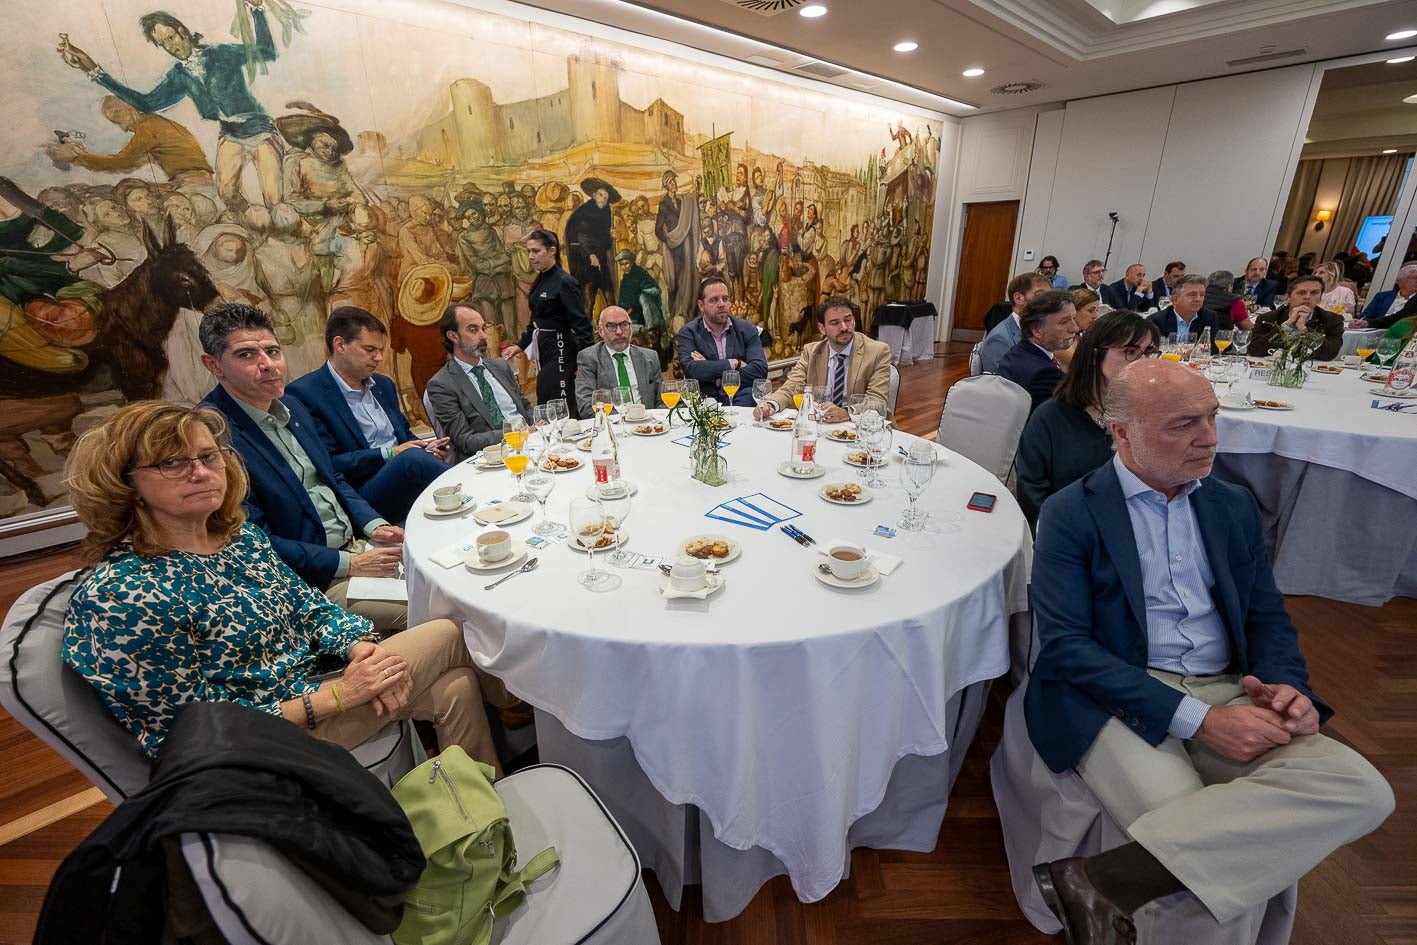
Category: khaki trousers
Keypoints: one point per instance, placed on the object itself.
(387, 616)
(1234, 833)
(448, 690)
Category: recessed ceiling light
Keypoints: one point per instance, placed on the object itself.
(907, 46)
(813, 11)
(1390, 150)
(971, 73)
(1393, 62)
(1400, 34)
(1411, 100)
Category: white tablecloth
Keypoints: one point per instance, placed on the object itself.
(1332, 424)
(1334, 479)
(1352, 336)
(779, 707)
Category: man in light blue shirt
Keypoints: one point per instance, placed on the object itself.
(1005, 335)
(1169, 678)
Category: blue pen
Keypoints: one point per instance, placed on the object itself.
(788, 531)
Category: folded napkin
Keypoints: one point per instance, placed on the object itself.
(453, 555)
(496, 513)
(885, 563)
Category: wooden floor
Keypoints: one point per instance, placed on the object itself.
(1363, 660)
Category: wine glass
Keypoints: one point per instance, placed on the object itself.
(514, 432)
(517, 463)
(1387, 351)
(915, 475)
(1240, 340)
(602, 400)
(797, 400)
(588, 525)
(1223, 339)
(670, 394)
(622, 397)
(731, 381)
(878, 444)
(689, 387)
(761, 389)
(540, 484)
(855, 403)
(820, 393)
(543, 418)
(617, 510)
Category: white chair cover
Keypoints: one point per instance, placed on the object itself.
(983, 420)
(976, 360)
(428, 409)
(894, 392)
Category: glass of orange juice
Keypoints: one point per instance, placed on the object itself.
(670, 395)
(1222, 340)
(514, 432)
(797, 400)
(730, 382)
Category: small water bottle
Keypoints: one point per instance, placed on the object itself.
(804, 438)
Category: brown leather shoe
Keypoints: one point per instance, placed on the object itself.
(518, 715)
(1088, 917)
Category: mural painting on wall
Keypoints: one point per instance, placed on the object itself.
(300, 156)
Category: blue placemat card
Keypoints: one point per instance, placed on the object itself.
(689, 441)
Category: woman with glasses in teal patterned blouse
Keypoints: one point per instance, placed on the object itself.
(188, 602)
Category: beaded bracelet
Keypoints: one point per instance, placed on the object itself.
(309, 711)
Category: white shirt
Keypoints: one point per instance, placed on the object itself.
(505, 403)
(1396, 305)
(373, 421)
(629, 369)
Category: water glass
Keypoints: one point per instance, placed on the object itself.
(878, 444)
(1240, 341)
(916, 473)
(540, 484)
(588, 525)
(617, 510)
(1388, 350)
(761, 389)
(622, 397)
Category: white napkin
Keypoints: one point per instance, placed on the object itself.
(453, 555)
(494, 514)
(885, 563)
(374, 588)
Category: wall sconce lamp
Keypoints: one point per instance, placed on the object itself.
(1320, 218)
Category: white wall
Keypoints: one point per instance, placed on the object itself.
(1197, 172)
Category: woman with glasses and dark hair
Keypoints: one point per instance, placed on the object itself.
(187, 602)
(1067, 438)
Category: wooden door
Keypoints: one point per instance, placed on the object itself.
(984, 257)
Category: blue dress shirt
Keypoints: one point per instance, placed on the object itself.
(373, 422)
(1184, 631)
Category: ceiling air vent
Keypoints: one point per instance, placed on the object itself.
(1016, 88)
(822, 70)
(1267, 57)
(766, 7)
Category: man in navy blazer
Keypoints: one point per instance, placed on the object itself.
(1187, 315)
(1254, 283)
(1389, 306)
(1048, 323)
(314, 518)
(357, 415)
(1169, 678)
(716, 342)
(1133, 291)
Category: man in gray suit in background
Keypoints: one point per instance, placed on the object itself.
(472, 394)
(614, 362)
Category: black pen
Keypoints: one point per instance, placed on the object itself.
(787, 530)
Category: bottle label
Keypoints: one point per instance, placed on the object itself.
(809, 452)
(1400, 379)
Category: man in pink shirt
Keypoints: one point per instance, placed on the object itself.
(716, 341)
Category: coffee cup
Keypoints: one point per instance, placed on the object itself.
(846, 561)
(492, 454)
(635, 411)
(1351, 360)
(688, 574)
(493, 546)
(448, 498)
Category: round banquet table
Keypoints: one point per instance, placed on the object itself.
(780, 722)
(1336, 480)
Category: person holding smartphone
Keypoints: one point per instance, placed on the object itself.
(357, 416)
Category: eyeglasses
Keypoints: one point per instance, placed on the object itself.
(181, 468)
(1134, 352)
(618, 326)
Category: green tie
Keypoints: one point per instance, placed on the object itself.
(484, 387)
(620, 371)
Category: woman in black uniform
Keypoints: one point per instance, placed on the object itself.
(559, 328)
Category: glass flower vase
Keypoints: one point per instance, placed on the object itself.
(706, 465)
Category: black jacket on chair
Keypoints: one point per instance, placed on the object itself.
(224, 768)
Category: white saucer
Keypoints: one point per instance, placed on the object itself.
(432, 511)
(517, 556)
(715, 584)
(634, 432)
(787, 470)
(734, 549)
(869, 575)
(845, 442)
(480, 464)
(584, 445)
(864, 497)
(1225, 406)
(592, 492)
(574, 544)
(522, 510)
(1384, 392)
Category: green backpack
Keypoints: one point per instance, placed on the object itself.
(471, 879)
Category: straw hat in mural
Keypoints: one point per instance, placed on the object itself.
(553, 196)
(591, 184)
(299, 129)
(424, 293)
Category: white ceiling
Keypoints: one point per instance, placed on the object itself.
(1070, 46)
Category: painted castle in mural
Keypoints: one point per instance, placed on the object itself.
(210, 169)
